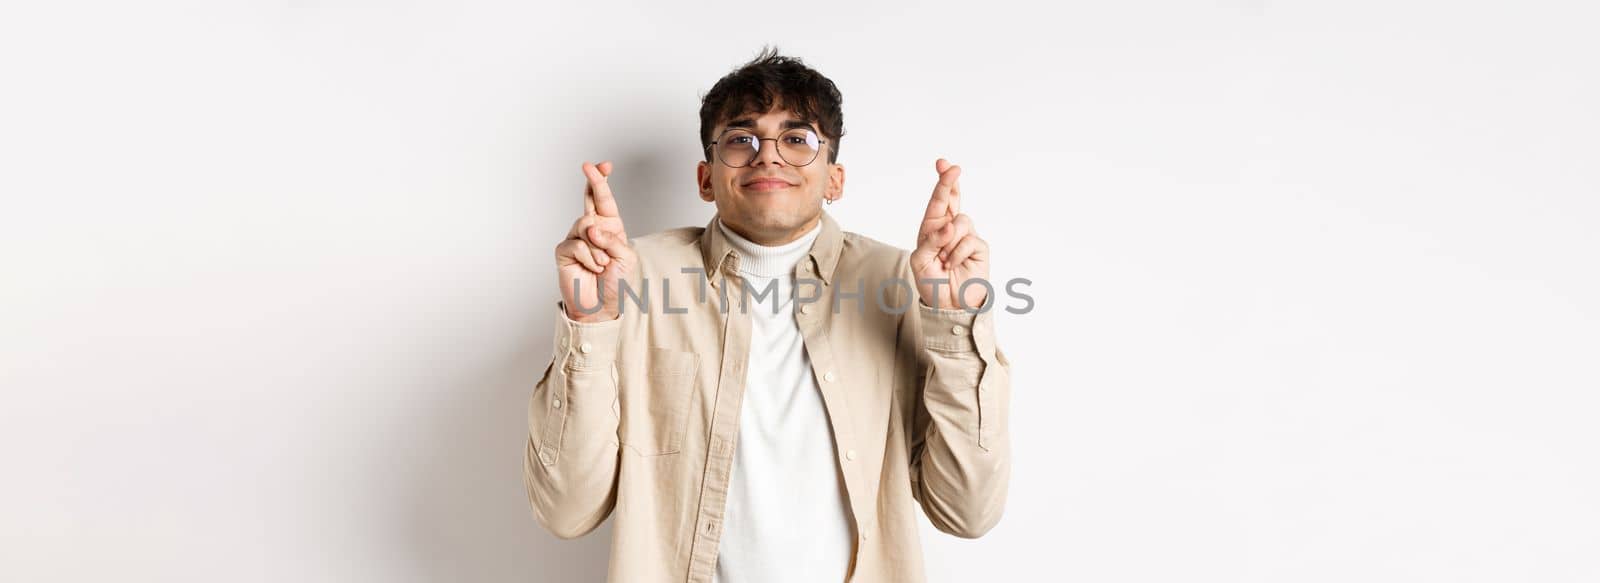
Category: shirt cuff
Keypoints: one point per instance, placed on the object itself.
(585, 345)
(952, 330)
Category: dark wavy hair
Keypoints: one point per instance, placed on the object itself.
(770, 79)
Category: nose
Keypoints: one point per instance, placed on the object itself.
(765, 155)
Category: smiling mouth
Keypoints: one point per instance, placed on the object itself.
(767, 185)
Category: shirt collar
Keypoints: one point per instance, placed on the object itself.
(718, 252)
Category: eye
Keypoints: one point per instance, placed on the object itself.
(739, 139)
(799, 139)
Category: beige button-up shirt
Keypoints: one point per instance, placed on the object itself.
(638, 418)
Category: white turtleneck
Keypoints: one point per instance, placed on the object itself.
(786, 519)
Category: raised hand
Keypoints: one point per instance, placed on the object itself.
(949, 248)
(595, 254)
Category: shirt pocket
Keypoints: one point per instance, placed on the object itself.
(655, 416)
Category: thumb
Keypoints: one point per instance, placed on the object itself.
(609, 241)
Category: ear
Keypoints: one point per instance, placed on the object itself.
(702, 172)
(835, 190)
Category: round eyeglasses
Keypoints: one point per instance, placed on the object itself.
(738, 147)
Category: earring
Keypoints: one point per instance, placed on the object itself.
(830, 201)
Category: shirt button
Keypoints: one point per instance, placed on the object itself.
(863, 536)
(805, 308)
(586, 347)
(850, 454)
(556, 404)
(958, 330)
(828, 376)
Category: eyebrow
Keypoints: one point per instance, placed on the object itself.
(748, 123)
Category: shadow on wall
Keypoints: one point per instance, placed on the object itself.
(469, 518)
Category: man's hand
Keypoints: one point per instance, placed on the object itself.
(595, 254)
(948, 248)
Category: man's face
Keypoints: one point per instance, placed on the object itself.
(770, 201)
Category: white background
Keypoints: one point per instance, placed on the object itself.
(1316, 285)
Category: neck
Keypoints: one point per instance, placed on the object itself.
(771, 239)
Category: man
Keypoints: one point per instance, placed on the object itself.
(789, 390)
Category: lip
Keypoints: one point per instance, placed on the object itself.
(767, 184)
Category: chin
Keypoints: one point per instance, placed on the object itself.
(770, 220)
(769, 213)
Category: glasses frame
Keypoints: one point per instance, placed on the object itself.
(715, 153)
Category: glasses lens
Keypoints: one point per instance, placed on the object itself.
(738, 148)
(798, 147)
